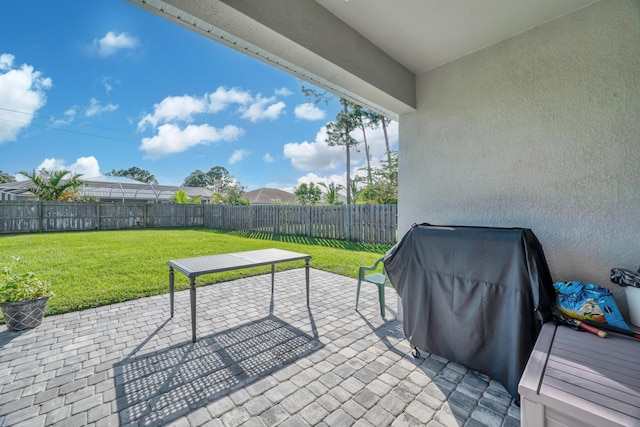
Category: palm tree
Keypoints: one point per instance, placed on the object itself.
(331, 198)
(54, 185)
(182, 198)
(355, 188)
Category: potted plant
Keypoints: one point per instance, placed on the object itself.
(23, 297)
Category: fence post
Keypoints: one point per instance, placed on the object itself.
(348, 221)
(40, 217)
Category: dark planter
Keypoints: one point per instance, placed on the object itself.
(24, 314)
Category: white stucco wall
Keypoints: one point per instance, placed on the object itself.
(541, 131)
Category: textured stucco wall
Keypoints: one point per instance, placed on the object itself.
(540, 131)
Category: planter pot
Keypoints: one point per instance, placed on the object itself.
(633, 303)
(24, 314)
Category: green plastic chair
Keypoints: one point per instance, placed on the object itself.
(379, 278)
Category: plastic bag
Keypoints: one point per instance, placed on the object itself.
(625, 277)
(588, 301)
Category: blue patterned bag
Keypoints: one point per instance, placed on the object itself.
(588, 301)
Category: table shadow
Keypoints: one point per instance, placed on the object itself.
(161, 386)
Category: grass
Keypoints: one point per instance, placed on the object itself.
(94, 268)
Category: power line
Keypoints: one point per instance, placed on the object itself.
(62, 120)
(86, 133)
(67, 130)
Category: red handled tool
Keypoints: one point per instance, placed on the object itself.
(613, 328)
(578, 324)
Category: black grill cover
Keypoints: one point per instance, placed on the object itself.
(476, 296)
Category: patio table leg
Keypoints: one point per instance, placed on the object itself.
(192, 286)
(171, 288)
(273, 273)
(306, 272)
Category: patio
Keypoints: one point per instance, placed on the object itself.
(258, 361)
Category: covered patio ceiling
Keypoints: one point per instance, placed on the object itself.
(369, 51)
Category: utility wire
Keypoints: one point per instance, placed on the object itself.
(62, 120)
(83, 133)
(67, 130)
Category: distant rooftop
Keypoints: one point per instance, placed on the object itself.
(269, 196)
(111, 189)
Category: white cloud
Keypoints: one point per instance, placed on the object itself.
(69, 115)
(6, 61)
(221, 98)
(283, 92)
(237, 156)
(316, 179)
(87, 166)
(174, 108)
(263, 109)
(173, 139)
(112, 42)
(267, 158)
(108, 83)
(95, 108)
(312, 177)
(184, 108)
(23, 92)
(52, 164)
(309, 111)
(315, 155)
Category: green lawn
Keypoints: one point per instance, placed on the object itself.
(93, 268)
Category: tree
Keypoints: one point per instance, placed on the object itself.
(375, 120)
(332, 197)
(135, 173)
(54, 185)
(308, 194)
(384, 189)
(339, 133)
(218, 179)
(315, 96)
(182, 198)
(5, 177)
(197, 178)
(232, 196)
(360, 116)
(355, 188)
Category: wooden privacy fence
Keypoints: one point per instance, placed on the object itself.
(26, 217)
(360, 223)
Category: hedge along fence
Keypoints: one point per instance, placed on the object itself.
(361, 223)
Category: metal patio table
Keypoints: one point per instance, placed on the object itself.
(194, 267)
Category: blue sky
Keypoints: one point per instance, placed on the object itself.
(95, 86)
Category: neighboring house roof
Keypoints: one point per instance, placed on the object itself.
(269, 196)
(111, 188)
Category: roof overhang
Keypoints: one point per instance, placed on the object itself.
(316, 46)
(368, 51)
